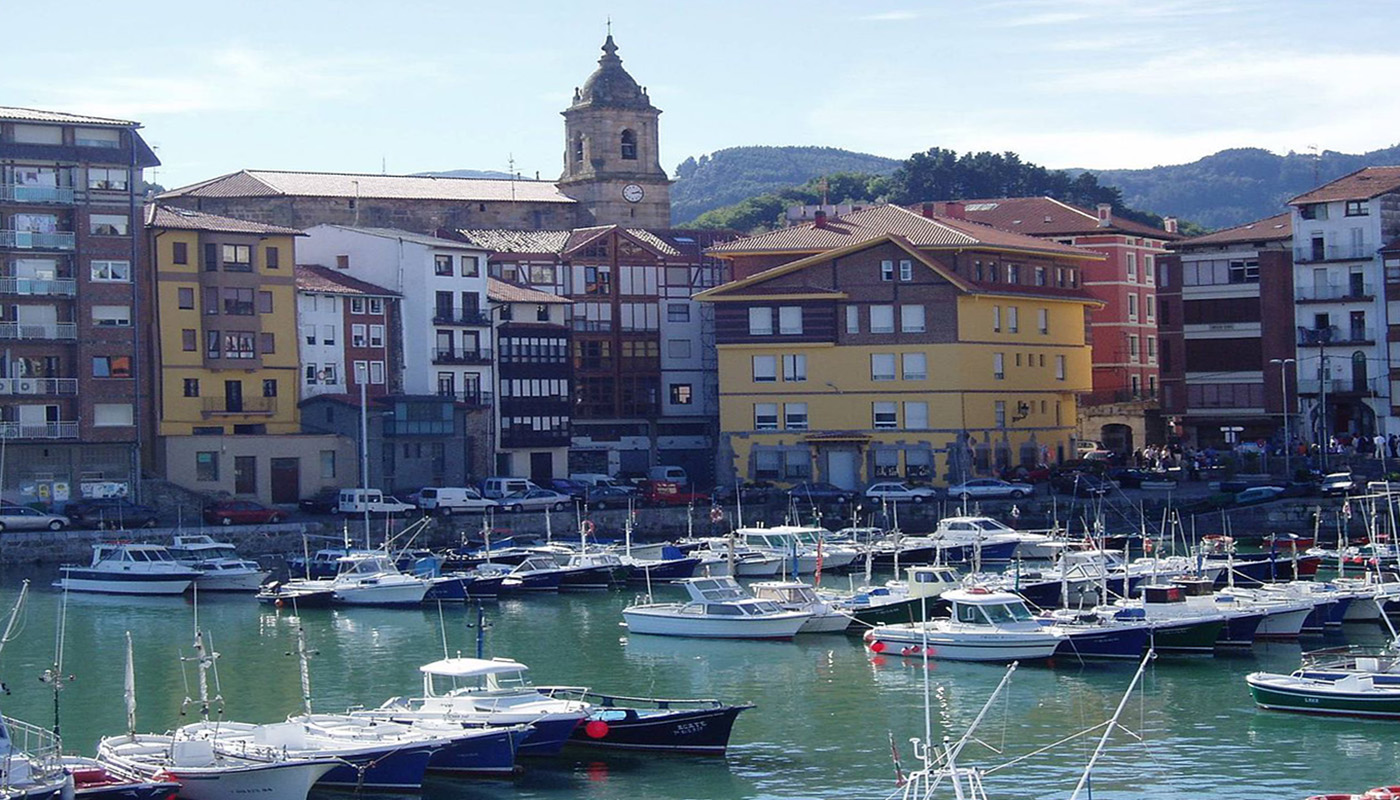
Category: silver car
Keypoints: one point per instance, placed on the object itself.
(22, 518)
(535, 500)
(989, 487)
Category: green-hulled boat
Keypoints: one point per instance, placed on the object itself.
(1354, 694)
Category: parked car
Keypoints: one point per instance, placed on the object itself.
(535, 499)
(1258, 494)
(323, 502)
(449, 500)
(110, 512)
(359, 501)
(1087, 446)
(985, 488)
(1337, 483)
(24, 518)
(1081, 484)
(896, 492)
(1024, 474)
(569, 486)
(496, 487)
(599, 479)
(818, 493)
(241, 512)
(609, 496)
(758, 492)
(667, 493)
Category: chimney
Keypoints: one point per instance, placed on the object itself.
(1169, 225)
(953, 209)
(819, 219)
(1105, 215)
(926, 210)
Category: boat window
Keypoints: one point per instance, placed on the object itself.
(138, 555)
(1006, 612)
(724, 611)
(969, 615)
(160, 555)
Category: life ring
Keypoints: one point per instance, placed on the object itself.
(588, 527)
(716, 514)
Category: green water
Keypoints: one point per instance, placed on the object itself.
(821, 729)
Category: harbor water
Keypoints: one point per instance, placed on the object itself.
(826, 708)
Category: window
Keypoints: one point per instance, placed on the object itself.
(312, 377)
(918, 464)
(765, 369)
(678, 348)
(886, 270)
(996, 319)
(189, 340)
(906, 270)
(376, 372)
(108, 179)
(1132, 348)
(308, 332)
(191, 387)
(1059, 368)
(184, 297)
(111, 366)
(597, 280)
(442, 265)
(1151, 307)
(790, 320)
(342, 261)
(629, 145)
(238, 258)
(272, 258)
(238, 302)
(765, 416)
(681, 394)
(882, 319)
(1132, 308)
(376, 306)
(884, 416)
(1132, 266)
(211, 344)
(914, 366)
(1040, 276)
(113, 415)
(911, 319)
(1244, 271)
(916, 416)
(239, 345)
(1357, 208)
(761, 321)
(111, 316)
(376, 336)
(1151, 348)
(795, 416)
(264, 302)
(269, 387)
(328, 334)
(882, 366)
(471, 267)
(886, 463)
(999, 411)
(1013, 273)
(180, 253)
(1042, 318)
(677, 312)
(1149, 269)
(998, 366)
(357, 304)
(327, 374)
(111, 271)
(852, 319)
(206, 466)
(1013, 319)
(327, 465)
(267, 343)
(108, 224)
(794, 368)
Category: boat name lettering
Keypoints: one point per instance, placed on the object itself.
(688, 728)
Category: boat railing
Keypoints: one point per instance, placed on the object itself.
(1348, 654)
(584, 694)
(39, 744)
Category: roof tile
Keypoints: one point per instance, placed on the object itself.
(159, 215)
(1046, 216)
(324, 280)
(1362, 184)
(1279, 227)
(276, 183)
(37, 115)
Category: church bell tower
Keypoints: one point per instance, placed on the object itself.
(612, 163)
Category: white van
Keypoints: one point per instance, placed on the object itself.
(449, 500)
(498, 487)
(669, 474)
(358, 501)
(598, 479)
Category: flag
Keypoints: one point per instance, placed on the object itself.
(817, 578)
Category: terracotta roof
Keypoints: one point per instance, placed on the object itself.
(159, 215)
(1046, 216)
(1362, 184)
(557, 242)
(324, 280)
(1393, 246)
(503, 292)
(1279, 227)
(877, 221)
(408, 236)
(276, 183)
(36, 115)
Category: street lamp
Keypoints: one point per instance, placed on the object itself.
(1283, 385)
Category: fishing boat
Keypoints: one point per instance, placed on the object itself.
(1091, 636)
(718, 609)
(803, 548)
(1355, 694)
(219, 566)
(297, 594)
(594, 569)
(618, 722)
(128, 568)
(798, 596)
(1177, 626)
(535, 573)
(913, 599)
(993, 535)
(93, 780)
(984, 626)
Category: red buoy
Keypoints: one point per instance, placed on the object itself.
(596, 729)
(877, 646)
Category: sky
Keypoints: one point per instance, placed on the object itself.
(418, 85)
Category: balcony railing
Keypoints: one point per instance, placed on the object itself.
(1334, 252)
(1335, 335)
(31, 240)
(39, 430)
(60, 287)
(414, 427)
(38, 330)
(38, 386)
(477, 398)
(461, 316)
(1316, 294)
(1336, 386)
(478, 356)
(246, 405)
(55, 195)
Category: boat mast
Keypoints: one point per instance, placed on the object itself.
(129, 691)
(304, 659)
(1111, 724)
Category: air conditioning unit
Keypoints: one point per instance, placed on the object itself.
(6, 386)
(26, 386)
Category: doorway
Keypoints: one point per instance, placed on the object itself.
(841, 468)
(245, 474)
(286, 480)
(233, 396)
(541, 467)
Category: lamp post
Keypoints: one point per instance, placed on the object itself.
(1283, 386)
(362, 377)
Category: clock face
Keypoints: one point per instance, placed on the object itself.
(632, 193)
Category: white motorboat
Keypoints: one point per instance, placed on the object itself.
(988, 531)
(492, 692)
(371, 579)
(718, 609)
(984, 626)
(914, 599)
(128, 568)
(219, 566)
(798, 596)
(801, 547)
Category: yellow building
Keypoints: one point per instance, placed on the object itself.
(894, 345)
(226, 359)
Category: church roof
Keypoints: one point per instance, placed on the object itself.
(610, 86)
(278, 183)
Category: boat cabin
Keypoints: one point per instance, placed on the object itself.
(785, 592)
(130, 553)
(978, 606)
(536, 564)
(972, 527)
(200, 546)
(724, 597)
(783, 538)
(363, 565)
(458, 676)
(931, 581)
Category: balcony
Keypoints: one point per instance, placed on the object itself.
(480, 355)
(416, 427)
(1359, 251)
(1338, 386)
(473, 398)
(533, 438)
(39, 430)
(462, 316)
(32, 240)
(1325, 294)
(214, 406)
(1335, 336)
(49, 195)
(38, 386)
(38, 330)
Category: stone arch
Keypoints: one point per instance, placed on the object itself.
(628, 140)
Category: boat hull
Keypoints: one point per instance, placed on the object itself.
(487, 752)
(1117, 641)
(381, 595)
(1172, 636)
(400, 767)
(1284, 693)
(898, 612)
(680, 731)
(107, 582)
(913, 642)
(783, 626)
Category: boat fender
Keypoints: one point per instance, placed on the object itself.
(716, 514)
(978, 590)
(596, 729)
(588, 527)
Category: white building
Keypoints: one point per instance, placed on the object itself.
(1341, 308)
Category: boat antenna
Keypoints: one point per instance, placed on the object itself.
(1112, 724)
(129, 690)
(304, 658)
